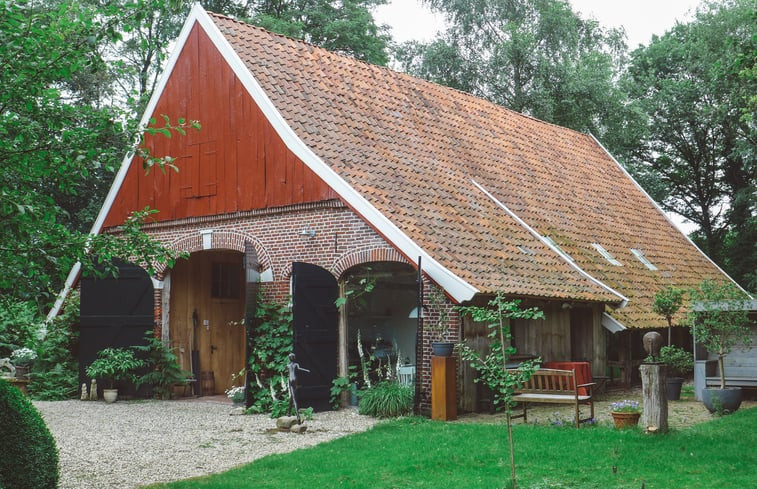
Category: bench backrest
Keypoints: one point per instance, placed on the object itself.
(550, 381)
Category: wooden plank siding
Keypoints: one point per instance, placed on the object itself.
(566, 334)
(236, 162)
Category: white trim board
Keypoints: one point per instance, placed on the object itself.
(550, 244)
(457, 288)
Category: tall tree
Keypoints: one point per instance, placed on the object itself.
(697, 155)
(53, 136)
(342, 26)
(533, 56)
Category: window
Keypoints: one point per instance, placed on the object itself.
(225, 281)
(606, 254)
(525, 250)
(643, 259)
(551, 242)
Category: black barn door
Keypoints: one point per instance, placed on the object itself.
(316, 332)
(115, 312)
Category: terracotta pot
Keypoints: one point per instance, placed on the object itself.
(625, 420)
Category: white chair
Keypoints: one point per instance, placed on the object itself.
(406, 374)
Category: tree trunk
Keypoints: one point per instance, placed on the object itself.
(721, 365)
(654, 391)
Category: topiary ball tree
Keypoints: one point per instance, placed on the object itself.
(30, 458)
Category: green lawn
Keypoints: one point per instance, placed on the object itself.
(418, 453)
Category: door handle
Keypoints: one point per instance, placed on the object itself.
(213, 348)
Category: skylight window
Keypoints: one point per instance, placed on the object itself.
(606, 254)
(552, 243)
(643, 259)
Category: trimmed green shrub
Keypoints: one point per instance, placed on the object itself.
(387, 400)
(30, 458)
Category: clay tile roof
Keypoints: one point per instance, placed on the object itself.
(413, 148)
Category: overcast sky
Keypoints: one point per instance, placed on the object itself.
(640, 18)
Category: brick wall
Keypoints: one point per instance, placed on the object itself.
(340, 240)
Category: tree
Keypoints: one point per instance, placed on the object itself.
(537, 57)
(493, 369)
(720, 319)
(667, 302)
(52, 138)
(341, 26)
(697, 153)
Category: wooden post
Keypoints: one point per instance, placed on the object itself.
(654, 390)
(443, 388)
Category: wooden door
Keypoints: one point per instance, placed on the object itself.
(210, 287)
(315, 323)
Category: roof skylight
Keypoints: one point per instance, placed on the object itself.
(643, 259)
(606, 254)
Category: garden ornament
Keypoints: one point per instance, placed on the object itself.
(652, 343)
(293, 367)
(84, 395)
(5, 364)
(93, 390)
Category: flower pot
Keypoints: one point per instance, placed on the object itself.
(442, 348)
(22, 371)
(674, 388)
(110, 395)
(725, 400)
(625, 420)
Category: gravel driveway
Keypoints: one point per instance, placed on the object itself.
(130, 444)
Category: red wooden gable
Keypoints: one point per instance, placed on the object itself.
(236, 162)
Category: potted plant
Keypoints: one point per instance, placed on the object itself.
(113, 365)
(625, 413)
(680, 363)
(720, 322)
(22, 359)
(236, 395)
(437, 325)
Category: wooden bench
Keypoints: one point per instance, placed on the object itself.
(732, 381)
(554, 386)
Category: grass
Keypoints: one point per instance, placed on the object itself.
(419, 453)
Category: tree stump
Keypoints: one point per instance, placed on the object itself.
(654, 392)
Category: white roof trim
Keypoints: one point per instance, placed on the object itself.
(548, 242)
(126, 162)
(657, 206)
(611, 324)
(458, 289)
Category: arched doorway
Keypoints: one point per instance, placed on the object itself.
(115, 312)
(207, 305)
(384, 317)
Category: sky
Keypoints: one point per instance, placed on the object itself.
(641, 19)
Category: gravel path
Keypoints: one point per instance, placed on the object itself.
(130, 444)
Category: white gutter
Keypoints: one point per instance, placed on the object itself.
(611, 324)
(663, 213)
(624, 299)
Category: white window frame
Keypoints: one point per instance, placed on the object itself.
(643, 259)
(606, 254)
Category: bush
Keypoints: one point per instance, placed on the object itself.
(19, 322)
(30, 458)
(680, 362)
(163, 369)
(387, 400)
(56, 372)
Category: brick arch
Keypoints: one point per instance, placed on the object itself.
(286, 272)
(221, 240)
(351, 259)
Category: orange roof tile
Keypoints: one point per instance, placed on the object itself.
(413, 148)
